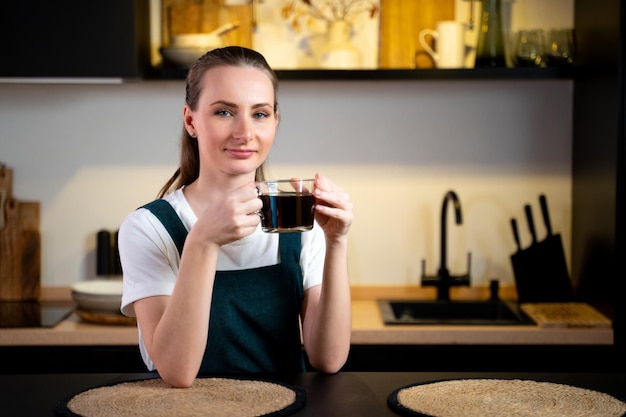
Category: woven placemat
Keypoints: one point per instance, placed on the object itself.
(502, 398)
(207, 397)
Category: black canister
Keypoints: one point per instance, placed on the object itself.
(104, 260)
(490, 49)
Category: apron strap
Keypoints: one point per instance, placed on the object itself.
(164, 211)
(290, 246)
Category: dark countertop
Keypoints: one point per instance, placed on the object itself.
(344, 394)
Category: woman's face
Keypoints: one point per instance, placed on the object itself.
(235, 122)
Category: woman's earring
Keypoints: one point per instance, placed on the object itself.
(192, 134)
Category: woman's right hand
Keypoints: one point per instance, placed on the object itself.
(231, 217)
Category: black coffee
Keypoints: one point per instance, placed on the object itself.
(287, 212)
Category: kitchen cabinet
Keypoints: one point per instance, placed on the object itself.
(598, 158)
(362, 358)
(75, 38)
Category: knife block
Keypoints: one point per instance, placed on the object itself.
(541, 273)
(20, 246)
(540, 270)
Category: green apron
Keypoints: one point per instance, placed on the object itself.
(254, 324)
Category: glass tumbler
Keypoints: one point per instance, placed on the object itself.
(560, 51)
(529, 48)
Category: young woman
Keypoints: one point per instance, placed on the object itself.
(212, 293)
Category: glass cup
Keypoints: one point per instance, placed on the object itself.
(288, 205)
(560, 50)
(529, 48)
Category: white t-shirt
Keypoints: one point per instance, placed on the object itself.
(150, 259)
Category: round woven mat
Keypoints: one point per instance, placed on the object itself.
(207, 397)
(500, 397)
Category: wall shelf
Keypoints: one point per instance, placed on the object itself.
(396, 74)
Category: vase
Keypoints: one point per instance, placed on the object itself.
(490, 50)
(339, 52)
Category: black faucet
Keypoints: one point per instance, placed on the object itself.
(443, 281)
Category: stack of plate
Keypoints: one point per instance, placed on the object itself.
(100, 301)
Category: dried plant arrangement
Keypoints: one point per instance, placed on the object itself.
(306, 13)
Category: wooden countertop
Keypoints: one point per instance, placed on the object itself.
(367, 326)
(72, 331)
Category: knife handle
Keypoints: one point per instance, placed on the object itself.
(531, 222)
(516, 234)
(546, 215)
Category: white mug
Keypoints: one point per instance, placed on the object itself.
(449, 40)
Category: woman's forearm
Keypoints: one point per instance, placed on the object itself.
(328, 319)
(180, 337)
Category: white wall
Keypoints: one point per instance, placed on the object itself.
(93, 153)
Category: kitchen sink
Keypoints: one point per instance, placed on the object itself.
(498, 312)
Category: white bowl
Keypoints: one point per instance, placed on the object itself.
(195, 40)
(183, 56)
(98, 296)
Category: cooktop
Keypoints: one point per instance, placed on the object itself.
(34, 313)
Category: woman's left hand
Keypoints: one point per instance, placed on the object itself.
(333, 208)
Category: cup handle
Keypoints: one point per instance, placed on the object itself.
(422, 40)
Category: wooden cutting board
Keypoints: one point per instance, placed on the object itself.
(551, 315)
(20, 245)
(204, 16)
(6, 189)
(400, 24)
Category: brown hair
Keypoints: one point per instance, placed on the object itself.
(189, 168)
